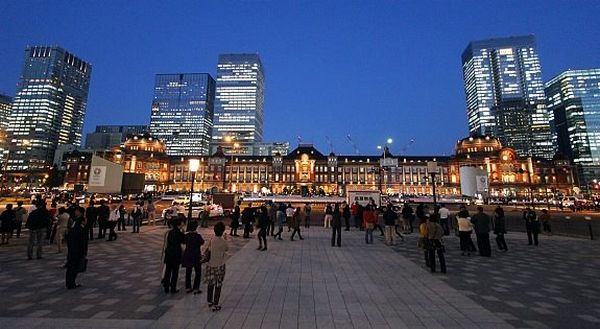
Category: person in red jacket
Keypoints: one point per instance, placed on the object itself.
(370, 219)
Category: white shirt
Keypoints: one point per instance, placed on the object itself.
(114, 215)
(444, 212)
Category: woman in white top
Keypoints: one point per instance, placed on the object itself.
(62, 226)
(112, 222)
(216, 252)
(465, 228)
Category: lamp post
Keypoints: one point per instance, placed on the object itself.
(385, 149)
(432, 168)
(194, 164)
(235, 147)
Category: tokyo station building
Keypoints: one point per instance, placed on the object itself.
(305, 170)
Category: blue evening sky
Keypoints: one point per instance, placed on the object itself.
(371, 69)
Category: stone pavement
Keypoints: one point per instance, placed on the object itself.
(555, 285)
(302, 284)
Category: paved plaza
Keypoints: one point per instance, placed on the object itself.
(309, 284)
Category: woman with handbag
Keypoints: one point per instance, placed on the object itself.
(214, 257)
(465, 228)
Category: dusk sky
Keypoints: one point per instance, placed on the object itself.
(371, 69)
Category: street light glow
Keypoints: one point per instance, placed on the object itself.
(389, 141)
(194, 165)
(379, 147)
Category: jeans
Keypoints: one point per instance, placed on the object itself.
(278, 234)
(262, 237)
(327, 221)
(136, 225)
(18, 226)
(36, 238)
(369, 235)
(336, 236)
(389, 234)
(483, 242)
(188, 277)
(501, 242)
(466, 243)
(436, 246)
(112, 235)
(121, 224)
(445, 226)
(297, 230)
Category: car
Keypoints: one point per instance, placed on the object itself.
(116, 199)
(215, 210)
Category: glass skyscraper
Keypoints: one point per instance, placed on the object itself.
(182, 112)
(49, 107)
(5, 108)
(574, 99)
(239, 103)
(505, 94)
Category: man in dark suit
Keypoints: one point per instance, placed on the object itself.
(77, 244)
(103, 214)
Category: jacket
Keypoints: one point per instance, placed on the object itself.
(76, 243)
(38, 219)
(481, 223)
(173, 252)
(192, 253)
(389, 217)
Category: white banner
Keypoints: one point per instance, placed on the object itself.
(97, 176)
(482, 183)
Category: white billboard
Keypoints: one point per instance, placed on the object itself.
(473, 181)
(97, 176)
(105, 176)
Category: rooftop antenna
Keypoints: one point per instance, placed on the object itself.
(351, 142)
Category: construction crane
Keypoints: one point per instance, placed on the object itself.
(351, 142)
(329, 143)
(407, 146)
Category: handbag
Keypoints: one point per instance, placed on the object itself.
(206, 256)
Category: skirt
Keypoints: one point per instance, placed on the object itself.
(214, 276)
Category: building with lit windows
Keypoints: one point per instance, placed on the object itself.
(574, 99)
(5, 108)
(182, 112)
(505, 94)
(49, 107)
(239, 103)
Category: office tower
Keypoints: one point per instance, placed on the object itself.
(49, 107)
(271, 149)
(505, 94)
(574, 98)
(182, 112)
(108, 136)
(239, 103)
(5, 107)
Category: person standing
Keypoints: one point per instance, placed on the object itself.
(423, 242)
(263, 227)
(247, 220)
(532, 225)
(500, 228)
(121, 221)
(289, 214)
(545, 219)
(151, 210)
(369, 218)
(77, 249)
(191, 258)
(271, 218)
(103, 215)
(37, 222)
(215, 267)
(296, 219)
(113, 218)
(346, 214)
(62, 227)
(389, 219)
(235, 219)
(465, 228)
(444, 218)
(136, 215)
(91, 216)
(435, 233)
(354, 213)
(7, 223)
(482, 223)
(307, 212)
(328, 216)
(336, 226)
(172, 256)
(20, 216)
(280, 214)
(204, 215)
(408, 218)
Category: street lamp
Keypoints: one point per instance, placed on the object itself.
(194, 164)
(382, 166)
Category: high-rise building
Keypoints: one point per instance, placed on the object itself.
(505, 94)
(182, 112)
(574, 99)
(49, 106)
(239, 103)
(5, 108)
(108, 136)
(271, 149)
